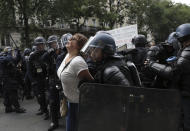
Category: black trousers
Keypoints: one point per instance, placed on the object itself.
(54, 102)
(11, 98)
(27, 85)
(1, 87)
(39, 91)
(186, 112)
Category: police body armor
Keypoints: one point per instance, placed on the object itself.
(50, 61)
(158, 54)
(128, 69)
(36, 66)
(10, 73)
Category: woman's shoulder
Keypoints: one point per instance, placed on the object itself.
(78, 62)
(78, 59)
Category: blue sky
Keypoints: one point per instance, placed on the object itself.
(182, 1)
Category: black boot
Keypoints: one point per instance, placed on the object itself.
(29, 97)
(53, 126)
(40, 112)
(46, 116)
(9, 109)
(20, 110)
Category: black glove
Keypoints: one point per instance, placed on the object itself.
(51, 50)
(34, 84)
(148, 62)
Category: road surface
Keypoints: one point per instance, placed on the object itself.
(28, 121)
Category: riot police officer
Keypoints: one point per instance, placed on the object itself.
(38, 73)
(24, 67)
(102, 51)
(49, 58)
(63, 41)
(11, 80)
(138, 55)
(180, 72)
(161, 53)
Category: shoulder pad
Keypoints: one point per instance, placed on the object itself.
(31, 53)
(185, 53)
(154, 48)
(187, 48)
(111, 69)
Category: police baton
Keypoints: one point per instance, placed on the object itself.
(14, 41)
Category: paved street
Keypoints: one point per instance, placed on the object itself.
(28, 121)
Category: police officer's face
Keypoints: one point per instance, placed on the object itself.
(96, 54)
(54, 45)
(40, 47)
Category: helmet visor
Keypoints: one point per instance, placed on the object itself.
(91, 51)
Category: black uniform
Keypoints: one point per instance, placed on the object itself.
(138, 55)
(49, 58)
(11, 81)
(160, 54)
(27, 81)
(180, 76)
(38, 73)
(109, 73)
(60, 58)
(109, 68)
(179, 73)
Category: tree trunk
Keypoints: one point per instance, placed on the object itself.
(26, 25)
(26, 31)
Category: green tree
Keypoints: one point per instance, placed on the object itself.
(7, 13)
(163, 18)
(73, 12)
(137, 12)
(8, 19)
(111, 12)
(34, 13)
(159, 18)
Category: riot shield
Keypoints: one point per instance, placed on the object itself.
(119, 108)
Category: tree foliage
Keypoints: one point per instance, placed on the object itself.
(152, 16)
(7, 13)
(159, 18)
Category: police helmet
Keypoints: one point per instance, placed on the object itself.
(139, 41)
(183, 32)
(39, 40)
(102, 31)
(104, 41)
(27, 51)
(52, 38)
(34, 48)
(172, 41)
(64, 39)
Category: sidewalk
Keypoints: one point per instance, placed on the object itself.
(28, 121)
